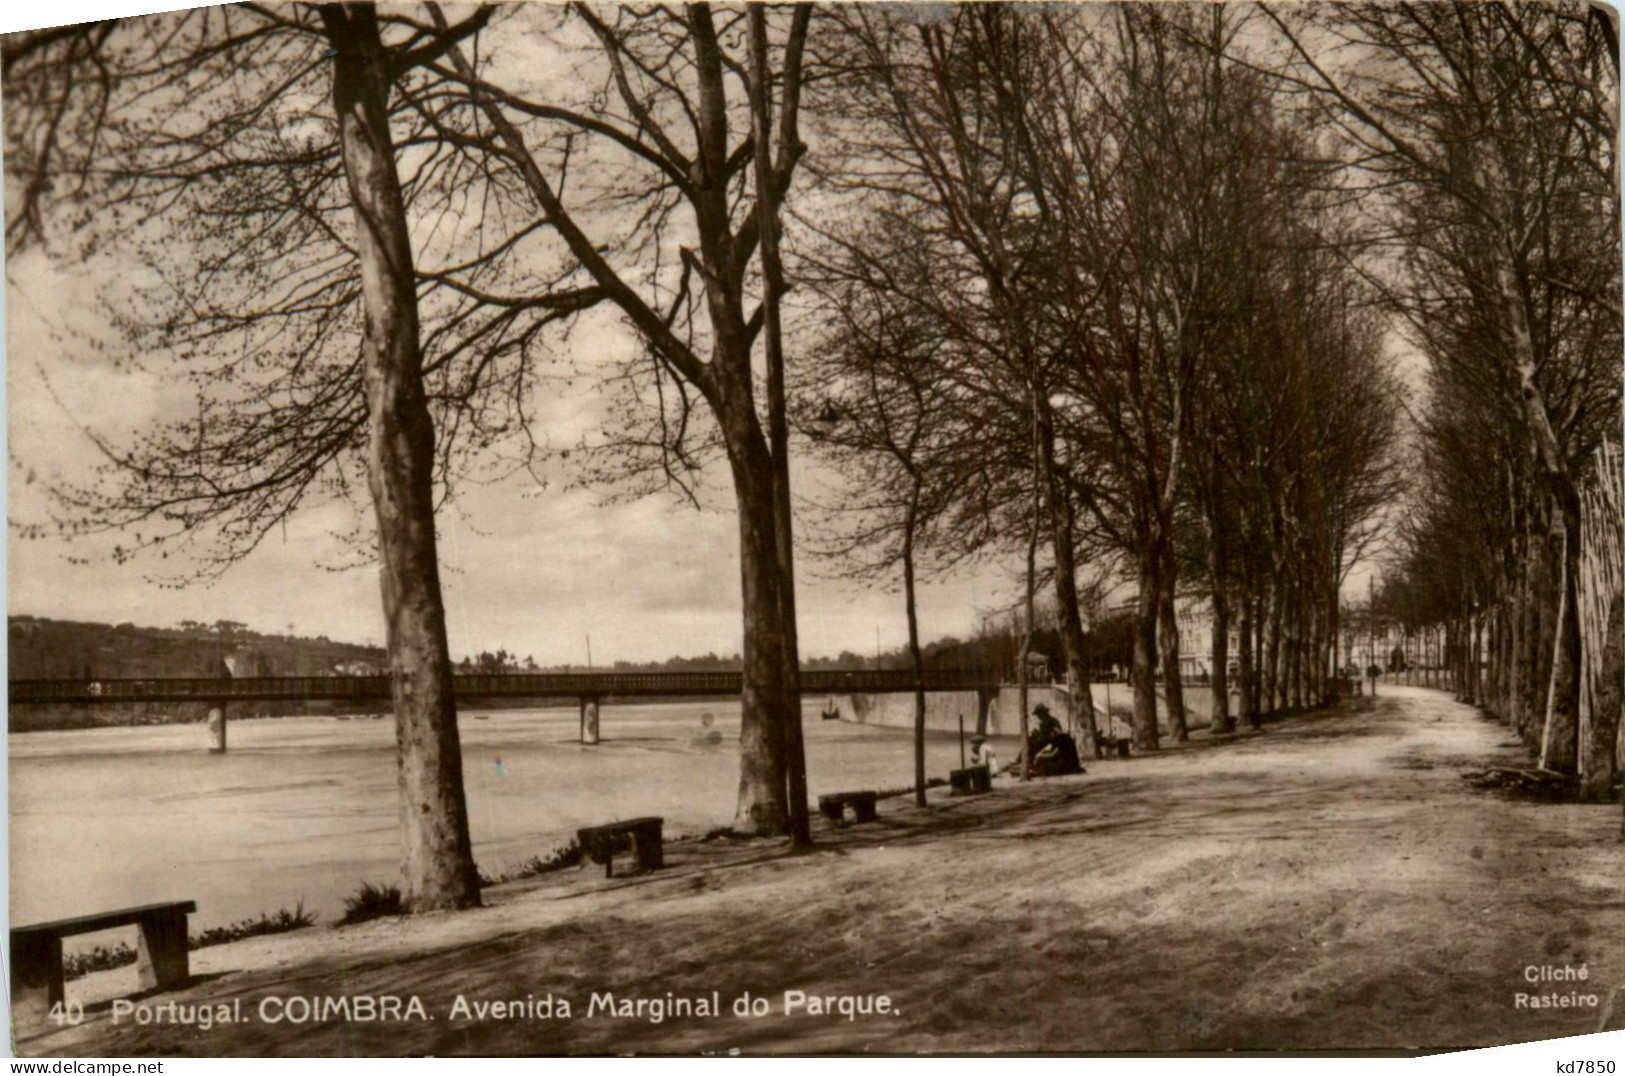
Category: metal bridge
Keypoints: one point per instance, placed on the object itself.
(470, 688)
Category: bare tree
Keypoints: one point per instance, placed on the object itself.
(663, 114)
(107, 137)
(881, 391)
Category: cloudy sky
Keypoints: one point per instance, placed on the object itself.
(536, 571)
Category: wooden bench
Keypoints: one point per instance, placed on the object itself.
(639, 835)
(835, 804)
(161, 951)
(1110, 745)
(971, 781)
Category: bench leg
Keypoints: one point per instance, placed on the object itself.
(865, 811)
(161, 959)
(36, 977)
(649, 851)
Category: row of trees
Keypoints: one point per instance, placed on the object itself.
(1090, 290)
(1502, 151)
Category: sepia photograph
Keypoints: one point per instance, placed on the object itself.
(744, 529)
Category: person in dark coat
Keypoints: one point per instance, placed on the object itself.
(1051, 750)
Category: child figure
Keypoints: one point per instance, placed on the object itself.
(981, 754)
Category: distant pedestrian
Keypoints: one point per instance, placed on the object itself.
(1373, 671)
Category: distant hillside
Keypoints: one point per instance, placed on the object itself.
(40, 648)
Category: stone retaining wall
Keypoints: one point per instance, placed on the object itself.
(944, 709)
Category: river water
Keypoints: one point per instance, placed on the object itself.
(305, 808)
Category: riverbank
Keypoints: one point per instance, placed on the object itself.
(306, 809)
(1331, 882)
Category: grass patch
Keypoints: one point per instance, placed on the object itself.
(283, 921)
(726, 833)
(908, 790)
(120, 954)
(101, 958)
(558, 859)
(372, 902)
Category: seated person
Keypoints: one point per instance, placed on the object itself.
(1057, 758)
(981, 754)
(1051, 751)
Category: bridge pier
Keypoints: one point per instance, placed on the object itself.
(589, 720)
(217, 728)
(226, 668)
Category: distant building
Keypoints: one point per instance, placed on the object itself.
(1195, 617)
(1194, 614)
(356, 668)
(1383, 641)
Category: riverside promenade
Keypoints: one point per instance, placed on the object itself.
(1330, 882)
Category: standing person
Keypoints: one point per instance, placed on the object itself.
(1372, 671)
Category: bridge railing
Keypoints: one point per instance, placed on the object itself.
(476, 686)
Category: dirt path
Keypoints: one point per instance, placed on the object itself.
(1329, 883)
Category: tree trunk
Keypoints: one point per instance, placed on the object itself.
(1309, 640)
(1274, 696)
(437, 865)
(767, 210)
(1560, 748)
(1062, 527)
(1173, 688)
(1294, 649)
(915, 657)
(1255, 605)
(1219, 682)
(1543, 615)
(1498, 657)
(1220, 679)
(1289, 655)
(1314, 645)
(1479, 660)
(1453, 659)
(1145, 656)
(767, 700)
(1027, 633)
(1326, 656)
(1519, 617)
(1600, 748)
(1246, 671)
(763, 806)
(1315, 667)
(1464, 660)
